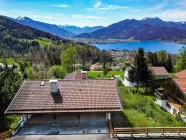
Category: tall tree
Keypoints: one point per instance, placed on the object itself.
(82, 53)
(150, 58)
(155, 60)
(140, 72)
(180, 60)
(168, 65)
(105, 58)
(68, 58)
(162, 57)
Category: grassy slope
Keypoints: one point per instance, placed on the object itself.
(141, 111)
(43, 41)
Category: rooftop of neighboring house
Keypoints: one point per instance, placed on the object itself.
(159, 71)
(36, 96)
(181, 74)
(181, 83)
(78, 75)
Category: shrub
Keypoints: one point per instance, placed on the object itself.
(58, 71)
(119, 83)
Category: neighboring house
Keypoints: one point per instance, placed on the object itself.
(78, 75)
(160, 72)
(174, 93)
(126, 82)
(181, 74)
(65, 106)
(94, 67)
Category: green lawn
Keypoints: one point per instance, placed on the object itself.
(139, 110)
(8, 60)
(99, 74)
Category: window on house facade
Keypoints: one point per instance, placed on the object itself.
(168, 105)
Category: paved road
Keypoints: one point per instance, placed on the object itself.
(63, 137)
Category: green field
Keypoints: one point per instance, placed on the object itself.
(99, 74)
(139, 110)
(43, 41)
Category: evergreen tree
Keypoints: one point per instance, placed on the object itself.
(150, 58)
(169, 64)
(140, 72)
(155, 60)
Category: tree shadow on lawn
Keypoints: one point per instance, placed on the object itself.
(120, 120)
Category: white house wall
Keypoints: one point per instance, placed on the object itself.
(126, 82)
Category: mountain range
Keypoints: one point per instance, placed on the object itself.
(145, 29)
(50, 28)
(64, 31)
(158, 22)
(80, 30)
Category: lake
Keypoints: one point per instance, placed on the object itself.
(152, 46)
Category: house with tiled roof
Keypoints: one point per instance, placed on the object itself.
(174, 93)
(160, 72)
(94, 67)
(65, 106)
(181, 74)
(77, 75)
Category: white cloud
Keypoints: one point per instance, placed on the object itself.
(88, 17)
(173, 15)
(159, 6)
(62, 6)
(105, 7)
(97, 5)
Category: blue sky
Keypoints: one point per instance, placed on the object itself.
(93, 12)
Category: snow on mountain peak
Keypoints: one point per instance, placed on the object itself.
(23, 18)
(147, 18)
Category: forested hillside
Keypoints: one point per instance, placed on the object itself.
(19, 40)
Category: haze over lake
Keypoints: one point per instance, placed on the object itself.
(152, 46)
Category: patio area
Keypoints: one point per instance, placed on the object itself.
(67, 123)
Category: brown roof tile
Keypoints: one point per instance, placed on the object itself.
(73, 96)
(159, 71)
(181, 74)
(181, 83)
